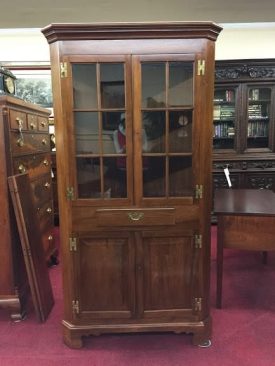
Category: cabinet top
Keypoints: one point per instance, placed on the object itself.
(82, 31)
(14, 102)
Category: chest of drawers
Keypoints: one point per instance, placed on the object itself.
(24, 147)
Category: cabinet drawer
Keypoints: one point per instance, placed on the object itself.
(32, 122)
(43, 123)
(136, 217)
(18, 119)
(42, 189)
(35, 165)
(29, 143)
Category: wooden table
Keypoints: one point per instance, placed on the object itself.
(245, 220)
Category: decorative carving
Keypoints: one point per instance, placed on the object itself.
(244, 71)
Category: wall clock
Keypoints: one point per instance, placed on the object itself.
(7, 82)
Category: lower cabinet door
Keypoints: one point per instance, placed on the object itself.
(104, 276)
(168, 279)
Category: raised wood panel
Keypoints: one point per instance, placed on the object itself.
(168, 273)
(104, 276)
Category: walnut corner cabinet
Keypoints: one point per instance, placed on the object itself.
(24, 148)
(133, 109)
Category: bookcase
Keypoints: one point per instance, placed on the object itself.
(243, 123)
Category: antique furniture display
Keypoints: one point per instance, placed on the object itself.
(133, 121)
(244, 123)
(25, 148)
(32, 245)
(246, 220)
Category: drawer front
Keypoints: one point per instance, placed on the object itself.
(43, 124)
(42, 190)
(29, 143)
(32, 122)
(136, 217)
(36, 165)
(18, 119)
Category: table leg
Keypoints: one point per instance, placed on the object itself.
(219, 263)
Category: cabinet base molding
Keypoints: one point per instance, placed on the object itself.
(14, 306)
(201, 330)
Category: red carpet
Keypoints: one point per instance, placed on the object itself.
(243, 331)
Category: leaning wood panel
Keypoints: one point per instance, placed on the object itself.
(31, 241)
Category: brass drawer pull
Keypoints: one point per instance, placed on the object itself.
(45, 162)
(33, 126)
(44, 142)
(135, 216)
(49, 210)
(47, 185)
(21, 169)
(42, 124)
(20, 142)
(50, 237)
(19, 122)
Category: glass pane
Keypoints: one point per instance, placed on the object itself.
(115, 180)
(259, 100)
(88, 177)
(224, 119)
(112, 85)
(84, 86)
(153, 124)
(153, 84)
(180, 131)
(153, 176)
(180, 176)
(86, 132)
(180, 83)
(113, 132)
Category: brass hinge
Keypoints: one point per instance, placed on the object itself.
(199, 191)
(75, 306)
(198, 241)
(201, 67)
(70, 193)
(73, 244)
(197, 304)
(63, 69)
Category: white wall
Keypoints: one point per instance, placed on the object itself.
(243, 41)
(246, 41)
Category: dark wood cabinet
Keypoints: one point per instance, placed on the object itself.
(25, 148)
(133, 121)
(244, 123)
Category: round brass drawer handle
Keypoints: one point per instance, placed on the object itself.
(47, 185)
(32, 125)
(45, 162)
(43, 124)
(49, 210)
(50, 237)
(44, 142)
(21, 169)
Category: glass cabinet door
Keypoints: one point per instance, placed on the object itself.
(224, 118)
(258, 116)
(99, 114)
(166, 113)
